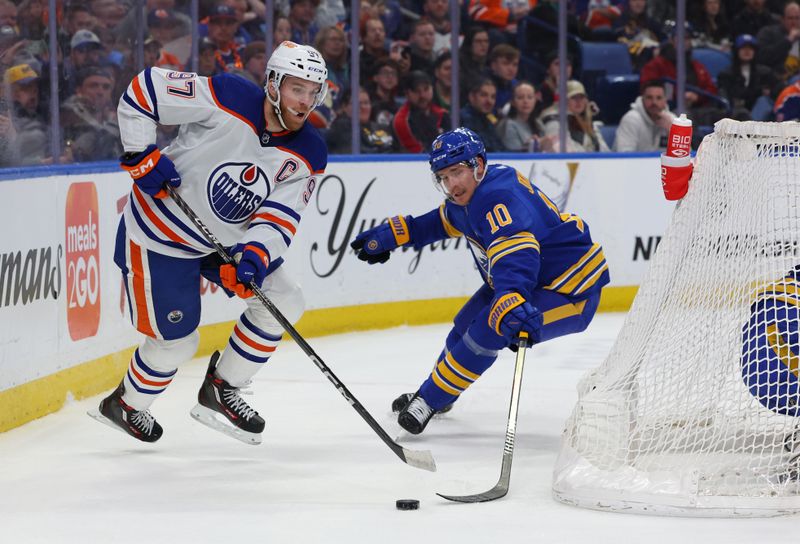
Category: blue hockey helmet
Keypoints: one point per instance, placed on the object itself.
(460, 145)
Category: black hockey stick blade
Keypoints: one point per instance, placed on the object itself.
(418, 459)
(497, 492)
(501, 488)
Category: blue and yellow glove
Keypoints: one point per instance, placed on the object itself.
(252, 267)
(375, 245)
(512, 314)
(150, 170)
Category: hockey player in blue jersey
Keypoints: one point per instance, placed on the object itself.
(246, 161)
(542, 272)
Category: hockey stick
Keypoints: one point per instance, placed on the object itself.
(501, 488)
(416, 458)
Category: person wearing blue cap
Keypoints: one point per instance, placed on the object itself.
(750, 87)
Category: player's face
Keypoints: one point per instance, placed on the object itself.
(458, 182)
(297, 101)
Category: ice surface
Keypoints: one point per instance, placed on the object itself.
(321, 474)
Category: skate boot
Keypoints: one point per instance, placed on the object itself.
(416, 415)
(217, 396)
(402, 401)
(116, 414)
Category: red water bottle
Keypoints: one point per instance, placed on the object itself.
(676, 163)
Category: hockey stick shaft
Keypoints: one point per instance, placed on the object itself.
(501, 488)
(419, 459)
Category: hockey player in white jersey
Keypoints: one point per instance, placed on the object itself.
(246, 162)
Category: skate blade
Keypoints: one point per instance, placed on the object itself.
(209, 418)
(95, 414)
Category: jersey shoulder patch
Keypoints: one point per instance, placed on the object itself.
(241, 98)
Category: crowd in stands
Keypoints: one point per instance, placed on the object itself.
(508, 72)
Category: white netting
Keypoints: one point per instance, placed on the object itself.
(694, 410)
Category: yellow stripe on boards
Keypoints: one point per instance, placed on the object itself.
(42, 396)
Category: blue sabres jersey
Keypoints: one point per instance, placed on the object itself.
(518, 237)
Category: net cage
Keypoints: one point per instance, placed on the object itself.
(696, 409)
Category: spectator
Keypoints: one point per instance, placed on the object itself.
(540, 44)
(752, 19)
(750, 87)
(390, 13)
(222, 28)
(646, 125)
(331, 13)
(244, 17)
(107, 13)
(375, 138)
(779, 44)
(126, 31)
(331, 42)
(254, 57)
(472, 57)
(383, 91)
(548, 90)
(662, 68)
(373, 44)
(600, 15)
(281, 30)
(76, 17)
(787, 106)
(582, 134)
(89, 118)
(437, 12)
(301, 18)
(206, 58)
(8, 14)
(442, 82)
(477, 113)
(164, 26)
(638, 32)
(503, 67)
(502, 17)
(85, 50)
(521, 131)
(31, 144)
(711, 26)
(422, 40)
(419, 120)
(30, 19)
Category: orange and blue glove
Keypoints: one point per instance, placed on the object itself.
(150, 170)
(252, 267)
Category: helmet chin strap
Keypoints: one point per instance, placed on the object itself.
(276, 104)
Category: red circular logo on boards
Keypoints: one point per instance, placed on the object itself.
(82, 260)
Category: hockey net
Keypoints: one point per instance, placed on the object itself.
(695, 409)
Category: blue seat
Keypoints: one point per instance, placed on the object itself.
(715, 61)
(614, 95)
(609, 132)
(609, 58)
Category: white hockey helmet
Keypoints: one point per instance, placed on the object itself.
(301, 61)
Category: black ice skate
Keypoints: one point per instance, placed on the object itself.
(217, 396)
(416, 415)
(402, 401)
(116, 414)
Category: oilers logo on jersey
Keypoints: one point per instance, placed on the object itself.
(235, 189)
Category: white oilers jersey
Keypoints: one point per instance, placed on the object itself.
(244, 183)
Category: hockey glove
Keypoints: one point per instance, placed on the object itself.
(511, 313)
(150, 170)
(252, 267)
(375, 245)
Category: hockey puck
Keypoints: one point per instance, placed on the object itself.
(407, 504)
